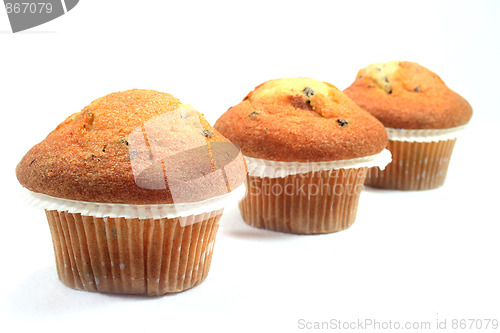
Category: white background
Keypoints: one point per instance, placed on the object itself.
(410, 256)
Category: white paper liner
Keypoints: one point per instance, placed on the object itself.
(424, 135)
(115, 210)
(277, 169)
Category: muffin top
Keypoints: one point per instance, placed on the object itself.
(403, 94)
(135, 147)
(301, 120)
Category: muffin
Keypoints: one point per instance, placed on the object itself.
(133, 187)
(422, 116)
(307, 148)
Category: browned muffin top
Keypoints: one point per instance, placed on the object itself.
(403, 94)
(135, 147)
(302, 120)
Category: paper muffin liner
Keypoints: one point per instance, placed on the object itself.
(420, 159)
(127, 249)
(424, 135)
(316, 201)
(116, 210)
(132, 256)
(275, 169)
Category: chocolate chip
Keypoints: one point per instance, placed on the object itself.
(416, 89)
(253, 115)
(207, 134)
(299, 103)
(342, 122)
(308, 92)
(390, 92)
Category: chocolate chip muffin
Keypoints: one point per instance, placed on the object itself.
(422, 116)
(307, 147)
(133, 186)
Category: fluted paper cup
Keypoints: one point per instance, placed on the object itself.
(142, 248)
(420, 159)
(305, 198)
(133, 249)
(117, 255)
